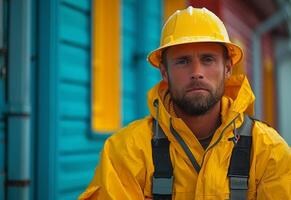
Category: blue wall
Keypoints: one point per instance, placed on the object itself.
(77, 154)
(66, 152)
(66, 155)
(63, 153)
(141, 25)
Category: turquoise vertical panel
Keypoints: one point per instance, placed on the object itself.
(140, 34)
(128, 66)
(149, 27)
(77, 154)
(67, 156)
(47, 100)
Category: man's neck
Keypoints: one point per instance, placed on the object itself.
(202, 126)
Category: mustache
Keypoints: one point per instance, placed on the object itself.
(198, 85)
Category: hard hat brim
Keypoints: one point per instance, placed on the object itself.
(234, 51)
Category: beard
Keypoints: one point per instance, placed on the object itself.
(200, 103)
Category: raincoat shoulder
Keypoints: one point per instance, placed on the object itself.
(271, 166)
(124, 163)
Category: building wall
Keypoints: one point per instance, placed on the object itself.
(284, 86)
(241, 26)
(66, 155)
(141, 24)
(63, 150)
(3, 93)
(2, 100)
(2, 158)
(67, 150)
(77, 154)
(283, 72)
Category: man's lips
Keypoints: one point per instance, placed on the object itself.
(194, 89)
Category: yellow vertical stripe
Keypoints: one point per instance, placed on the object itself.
(269, 94)
(106, 112)
(170, 6)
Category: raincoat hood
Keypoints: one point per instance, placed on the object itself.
(238, 96)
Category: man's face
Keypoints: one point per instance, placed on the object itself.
(195, 74)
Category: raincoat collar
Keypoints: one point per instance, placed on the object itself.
(238, 99)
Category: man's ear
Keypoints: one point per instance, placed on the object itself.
(164, 72)
(228, 68)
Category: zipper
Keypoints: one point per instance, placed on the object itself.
(218, 140)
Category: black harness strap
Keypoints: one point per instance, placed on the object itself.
(162, 183)
(238, 172)
(239, 168)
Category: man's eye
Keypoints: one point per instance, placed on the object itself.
(207, 59)
(182, 62)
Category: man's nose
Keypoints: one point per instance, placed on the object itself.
(196, 71)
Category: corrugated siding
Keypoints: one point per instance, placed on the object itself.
(78, 155)
(129, 21)
(240, 26)
(140, 34)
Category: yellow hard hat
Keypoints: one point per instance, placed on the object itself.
(193, 25)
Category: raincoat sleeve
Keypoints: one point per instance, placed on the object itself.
(275, 182)
(120, 173)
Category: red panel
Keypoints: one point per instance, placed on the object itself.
(212, 5)
(240, 21)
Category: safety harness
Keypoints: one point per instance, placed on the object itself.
(238, 171)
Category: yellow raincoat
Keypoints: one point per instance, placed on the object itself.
(126, 167)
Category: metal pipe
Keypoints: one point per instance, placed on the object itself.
(18, 111)
(264, 27)
(257, 77)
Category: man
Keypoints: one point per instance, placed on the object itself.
(196, 115)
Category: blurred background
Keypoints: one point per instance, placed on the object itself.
(72, 72)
